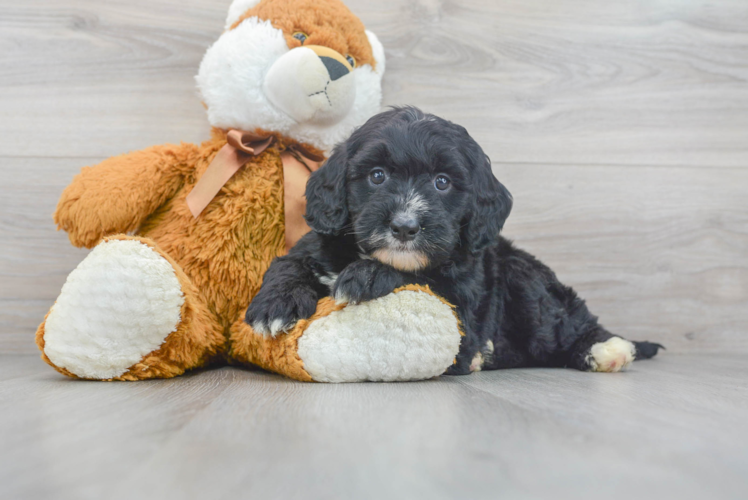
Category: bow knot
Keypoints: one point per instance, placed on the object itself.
(240, 147)
(248, 142)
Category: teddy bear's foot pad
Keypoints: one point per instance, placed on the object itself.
(408, 335)
(118, 305)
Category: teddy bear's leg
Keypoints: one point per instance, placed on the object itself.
(410, 334)
(128, 312)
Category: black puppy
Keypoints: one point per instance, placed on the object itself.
(410, 198)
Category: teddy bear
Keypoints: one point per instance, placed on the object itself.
(181, 235)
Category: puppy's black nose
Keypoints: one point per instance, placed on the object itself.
(404, 228)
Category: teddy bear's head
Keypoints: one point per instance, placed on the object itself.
(307, 69)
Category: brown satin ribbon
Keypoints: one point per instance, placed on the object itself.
(239, 148)
(298, 165)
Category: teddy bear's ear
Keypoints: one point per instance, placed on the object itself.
(237, 9)
(378, 51)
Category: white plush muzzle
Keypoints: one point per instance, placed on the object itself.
(250, 79)
(310, 87)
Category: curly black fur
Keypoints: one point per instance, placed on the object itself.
(512, 307)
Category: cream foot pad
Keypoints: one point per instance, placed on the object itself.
(118, 305)
(410, 334)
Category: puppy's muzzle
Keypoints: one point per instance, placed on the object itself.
(311, 84)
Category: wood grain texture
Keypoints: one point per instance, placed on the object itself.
(672, 427)
(620, 128)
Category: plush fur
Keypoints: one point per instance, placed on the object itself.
(224, 252)
(385, 182)
(234, 70)
(90, 338)
(218, 258)
(106, 340)
(410, 334)
(237, 10)
(406, 335)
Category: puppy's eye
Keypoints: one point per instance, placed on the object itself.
(442, 182)
(300, 36)
(351, 60)
(377, 176)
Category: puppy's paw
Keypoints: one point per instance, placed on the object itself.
(365, 280)
(274, 311)
(613, 355)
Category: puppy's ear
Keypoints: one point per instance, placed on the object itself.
(326, 204)
(491, 205)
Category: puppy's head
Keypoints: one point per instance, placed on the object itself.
(305, 68)
(412, 187)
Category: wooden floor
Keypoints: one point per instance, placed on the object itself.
(674, 427)
(621, 129)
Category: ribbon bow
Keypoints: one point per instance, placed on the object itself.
(239, 149)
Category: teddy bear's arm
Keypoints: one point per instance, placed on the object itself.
(117, 195)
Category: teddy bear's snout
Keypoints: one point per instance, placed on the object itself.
(311, 84)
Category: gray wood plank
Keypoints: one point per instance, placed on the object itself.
(98, 79)
(579, 82)
(671, 427)
(588, 82)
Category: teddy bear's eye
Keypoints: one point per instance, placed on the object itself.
(351, 60)
(300, 36)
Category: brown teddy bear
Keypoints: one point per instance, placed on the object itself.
(182, 234)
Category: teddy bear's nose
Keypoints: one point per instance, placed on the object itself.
(335, 68)
(312, 83)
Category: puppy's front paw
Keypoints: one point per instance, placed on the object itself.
(275, 311)
(365, 280)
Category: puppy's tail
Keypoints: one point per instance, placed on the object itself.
(646, 350)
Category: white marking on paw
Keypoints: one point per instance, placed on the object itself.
(613, 355)
(477, 363)
(260, 327)
(341, 298)
(487, 353)
(328, 281)
(278, 326)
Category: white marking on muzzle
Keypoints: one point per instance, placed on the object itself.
(415, 205)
